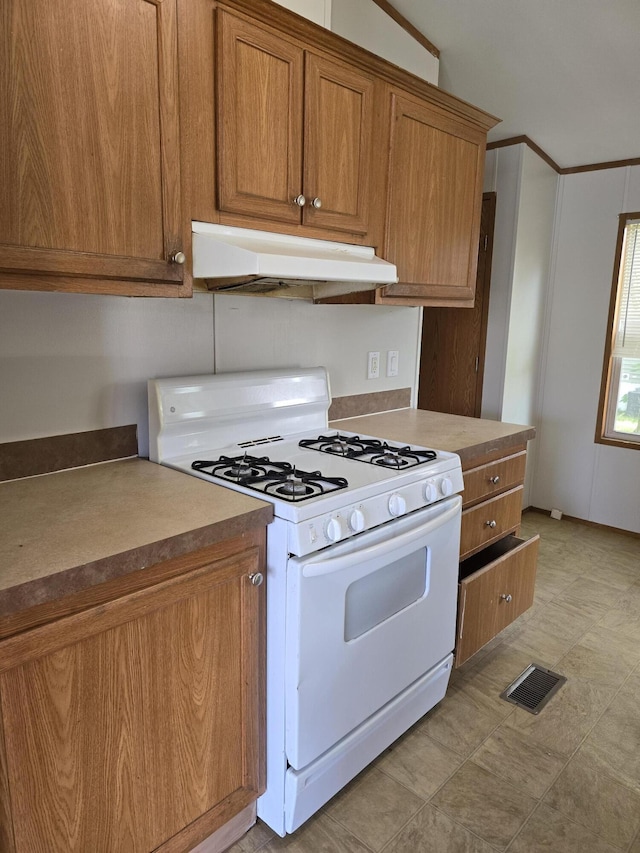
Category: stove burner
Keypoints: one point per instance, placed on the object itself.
(234, 467)
(242, 470)
(390, 459)
(338, 446)
(370, 450)
(294, 486)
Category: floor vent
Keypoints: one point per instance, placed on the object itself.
(533, 688)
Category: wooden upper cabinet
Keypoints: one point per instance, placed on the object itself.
(436, 167)
(90, 147)
(294, 132)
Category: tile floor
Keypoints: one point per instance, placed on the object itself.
(477, 774)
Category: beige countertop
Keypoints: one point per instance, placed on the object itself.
(66, 531)
(470, 438)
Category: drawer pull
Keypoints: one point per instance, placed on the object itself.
(491, 523)
(256, 578)
(506, 597)
(495, 480)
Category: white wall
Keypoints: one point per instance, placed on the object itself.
(364, 23)
(526, 193)
(72, 362)
(252, 332)
(504, 167)
(318, 11)
(530, 281)
(573, 473)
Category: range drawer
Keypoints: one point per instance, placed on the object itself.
(489, 521)
(495, 587)
(492, 478)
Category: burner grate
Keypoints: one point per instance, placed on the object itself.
(278, 479)
(372, 451)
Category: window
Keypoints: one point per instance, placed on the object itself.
(619, 414)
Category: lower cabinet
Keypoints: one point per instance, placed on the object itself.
(136, 725)
(497, 569)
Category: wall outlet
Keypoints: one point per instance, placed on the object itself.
(373, 365)
(393, 357)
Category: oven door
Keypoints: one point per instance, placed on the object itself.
(365, 618)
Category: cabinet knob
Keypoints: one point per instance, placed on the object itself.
(506, 597)
(317, 203)
(178, 258)
(256, 578)
(495, 480)
(491, 523)
(300, 200)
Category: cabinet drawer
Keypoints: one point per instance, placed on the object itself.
(496, 586)
(489, 521)
(494, 477)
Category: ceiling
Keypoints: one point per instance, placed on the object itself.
(565, 73)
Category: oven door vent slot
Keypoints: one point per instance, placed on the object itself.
(533, 688)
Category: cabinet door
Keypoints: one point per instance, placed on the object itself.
(126, 723)
(433, 213)
(260, 90)
(90, 144)
(337, 150)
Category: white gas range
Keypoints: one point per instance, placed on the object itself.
(362, 560)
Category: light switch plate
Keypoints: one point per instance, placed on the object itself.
(393, 357)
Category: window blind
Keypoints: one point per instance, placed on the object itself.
(626, 342)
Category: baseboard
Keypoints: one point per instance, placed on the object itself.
(584, 521)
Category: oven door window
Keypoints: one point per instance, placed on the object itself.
(365, 619)
(378, 596)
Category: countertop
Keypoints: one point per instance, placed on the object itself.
(66, 531)
(470, 438)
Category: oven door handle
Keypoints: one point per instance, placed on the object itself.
(400, 545)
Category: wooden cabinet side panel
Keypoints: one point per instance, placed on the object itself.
(120, 740)
(338, 142)
(6, 819)
(76, 186)
(259, 95)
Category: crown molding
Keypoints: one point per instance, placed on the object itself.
(571, 170)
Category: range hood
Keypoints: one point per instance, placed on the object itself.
(241, 260)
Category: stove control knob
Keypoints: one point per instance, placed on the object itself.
(397, 505)
(357, 521)
(430, 493)
(446, 487)
(333, 530)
